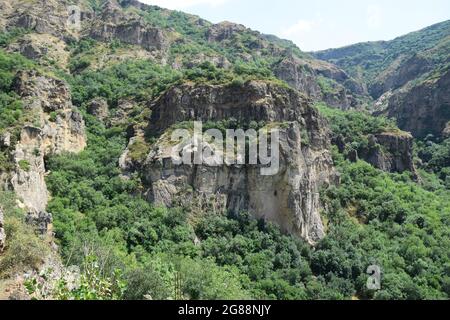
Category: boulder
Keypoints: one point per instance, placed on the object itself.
(98, 107)
(39, 220)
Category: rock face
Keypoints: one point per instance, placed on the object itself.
(390, 152)
(114, 24)
(40, 220)
(43, 48)
(124, 110)
(224, 31)
(321, 81)
(403, 70)
(41, 16)
(99, 108)
(56, 127)
(216, 60)
(422, 109)
(122, 21)
(298, 76)
(53, 17)
(5, 140)
(2, 231)
(289, 198)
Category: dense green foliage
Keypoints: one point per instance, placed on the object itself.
(92, 284)
(390, 221)
(140, 79)
(9, 36)
(12, 115)
(385, 219)
(95, 209)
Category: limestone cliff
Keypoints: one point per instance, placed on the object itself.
(54, 126)
(290, 198)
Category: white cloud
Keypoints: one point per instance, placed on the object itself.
(374, 17)
(183, 4)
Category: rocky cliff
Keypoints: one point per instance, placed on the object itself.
(185, 43)
(65, 21)
(322, 82)
(114, 24)
(390, 152)
(422, 108)
(54, 126)
(319, 80)
(153, 29)
(289, 198)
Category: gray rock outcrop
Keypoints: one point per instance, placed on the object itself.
(289, 198)
(390, 152)
(98, 107)
(57, 127)
(446, 131)
(114, 24)
(5, 140)
(321, 81)
(422, 109)
(224, 31)
(40, 220)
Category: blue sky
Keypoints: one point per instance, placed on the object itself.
(321, 24)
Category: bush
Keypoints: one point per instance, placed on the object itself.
(79, 64)
(145, 284)
(24, 249)
(24, 165)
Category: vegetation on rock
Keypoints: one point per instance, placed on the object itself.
(127, 247)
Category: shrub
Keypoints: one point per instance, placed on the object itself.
(24, 165)
(24, 250)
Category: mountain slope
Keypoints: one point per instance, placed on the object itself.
(85, 118)
(164, 34)
(398, 72)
